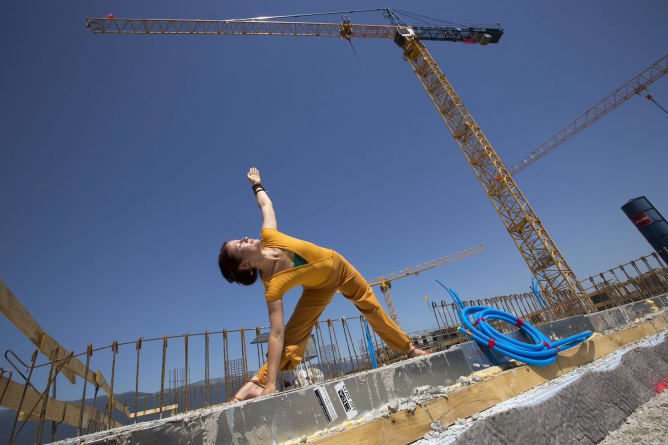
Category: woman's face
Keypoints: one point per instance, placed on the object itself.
(244, 249)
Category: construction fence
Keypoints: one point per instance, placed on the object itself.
(151, 378)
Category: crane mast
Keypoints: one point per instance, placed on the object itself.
(540, 253)
(531, 238)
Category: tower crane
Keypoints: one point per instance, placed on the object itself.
(525, 228)
(612, 101)
(385, 281)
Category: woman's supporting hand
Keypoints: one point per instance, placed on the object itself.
(269, 389)
(253, 176)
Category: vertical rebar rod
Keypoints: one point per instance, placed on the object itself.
(322, 349)
(185, 381)
(45, 402)
(226, 364)
(366, 341)
(114, 351)
(244, 359)
(43, 395)
(89, 352)
(54, 425)
(257, 346)
(333, 345)
(206, 398)
(377, 346)
(521, 300)
(661, 267)
(97, 389)
(9, 374)
(433, 308)
(444, 315)
(162, 373)
(25, 388)
(651, 277)
(343, 326)
(138, 348)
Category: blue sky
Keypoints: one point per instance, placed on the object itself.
(124, 157)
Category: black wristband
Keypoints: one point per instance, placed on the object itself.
(257, 188)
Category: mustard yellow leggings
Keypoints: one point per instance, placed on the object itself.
(313, 301)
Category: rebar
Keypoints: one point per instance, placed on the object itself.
(25, 387)
(162, 373)
(185, 382)
(226, 364)
(138, 348)
(89, 352)
(206, 398)
(40, 423)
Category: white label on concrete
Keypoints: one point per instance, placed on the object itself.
(346, 400)
(325, 403)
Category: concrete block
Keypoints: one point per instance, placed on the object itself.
(607, 319)
(661, 301)
(639, 309)
(556, 330)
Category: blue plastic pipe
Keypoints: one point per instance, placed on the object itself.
(372, 354)
(543, 351)
(539, 297)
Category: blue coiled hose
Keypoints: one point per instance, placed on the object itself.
(542, 352)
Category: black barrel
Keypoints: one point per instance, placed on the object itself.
(651, 224)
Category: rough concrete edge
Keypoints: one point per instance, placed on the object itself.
(606, 408)
(425, 394)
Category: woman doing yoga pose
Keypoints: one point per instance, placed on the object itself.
(283, 262)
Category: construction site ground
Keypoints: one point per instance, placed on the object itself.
(592, 389)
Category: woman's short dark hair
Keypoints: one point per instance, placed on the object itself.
(229, 267)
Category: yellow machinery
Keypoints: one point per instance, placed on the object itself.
(525, 228)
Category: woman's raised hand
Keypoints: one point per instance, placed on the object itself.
(253, 176)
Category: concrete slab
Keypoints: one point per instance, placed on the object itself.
(578, 407)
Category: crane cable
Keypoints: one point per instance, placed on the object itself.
(649, 97)
(542, 352)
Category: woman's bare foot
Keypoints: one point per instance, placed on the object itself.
(250, 390)
(414, 352)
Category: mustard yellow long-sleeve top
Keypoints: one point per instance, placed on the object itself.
(315, 273)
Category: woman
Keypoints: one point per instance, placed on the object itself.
(283, 262)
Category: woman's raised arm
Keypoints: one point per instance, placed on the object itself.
(263, 201)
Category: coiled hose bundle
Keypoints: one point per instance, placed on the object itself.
(542, 352)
